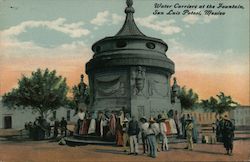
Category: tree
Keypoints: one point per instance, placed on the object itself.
(220, 104)
(188, 98)
(41, 92)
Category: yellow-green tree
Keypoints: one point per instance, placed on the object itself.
(41, 92)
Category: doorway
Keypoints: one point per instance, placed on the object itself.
(7, 122)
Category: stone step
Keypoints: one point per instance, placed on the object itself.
(88, 137)
(71, 141)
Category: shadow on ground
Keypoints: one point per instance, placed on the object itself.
(199, 151)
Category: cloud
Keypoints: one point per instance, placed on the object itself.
(74, 30)
(166, 27)
(105, 17)
(208, 19)
(22, 57)
(101, 18)
(193, 19)
(210, 62)
(116, 18)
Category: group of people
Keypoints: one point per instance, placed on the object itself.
(153, 133)
(99, 123)
(127, 131)
(41, 129)
(38, 129)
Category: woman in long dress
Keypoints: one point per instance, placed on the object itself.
(92, 126)
(81, 116)
(86, 123)
(168, 128)
(172, 126)
(112, 124)
(119, 136)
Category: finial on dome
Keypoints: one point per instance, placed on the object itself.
(129, 3)
(129, 9)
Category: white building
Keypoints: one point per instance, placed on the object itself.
(203, 117)
(241, 116)
(16, 118)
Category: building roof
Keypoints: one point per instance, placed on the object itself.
(130, 47)
(243, 107)
(129, 27)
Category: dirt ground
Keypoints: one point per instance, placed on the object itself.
(44, 151)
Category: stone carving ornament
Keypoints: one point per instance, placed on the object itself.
(139, 80)
(110, 86)
(158, 88)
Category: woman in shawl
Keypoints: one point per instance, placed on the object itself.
(105, 124)
(168, 128)
(98, 124)
(81, 116)
(172, 126)
(119, 137)
(121, 117)
(112, 124)
(86, 123)
(92, 126)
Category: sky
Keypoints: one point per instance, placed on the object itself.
(211, 53)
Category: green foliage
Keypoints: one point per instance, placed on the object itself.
(220, 104)
(188, 98)
(42, 91)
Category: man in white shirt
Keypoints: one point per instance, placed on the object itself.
(151, 132)
(163, 132)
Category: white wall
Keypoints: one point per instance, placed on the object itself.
(241, 115)
(20, 116)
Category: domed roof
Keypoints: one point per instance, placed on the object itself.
(130, 47)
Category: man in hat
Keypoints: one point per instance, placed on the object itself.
(133, 131)
(151, 137)
(228, 135)
(189, 131)
(125, 134)
(144, 127)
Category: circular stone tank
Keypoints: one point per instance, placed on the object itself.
(130, 72)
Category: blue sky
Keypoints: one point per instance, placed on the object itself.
(235, 22)
(59, 33)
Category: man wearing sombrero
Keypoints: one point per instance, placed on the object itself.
(125, 134)
(151, 136)
(133, 131)
(228, 135)
(189, 131)
(163, 133)
(144, 127)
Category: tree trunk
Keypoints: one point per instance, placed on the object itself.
(41, 112)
